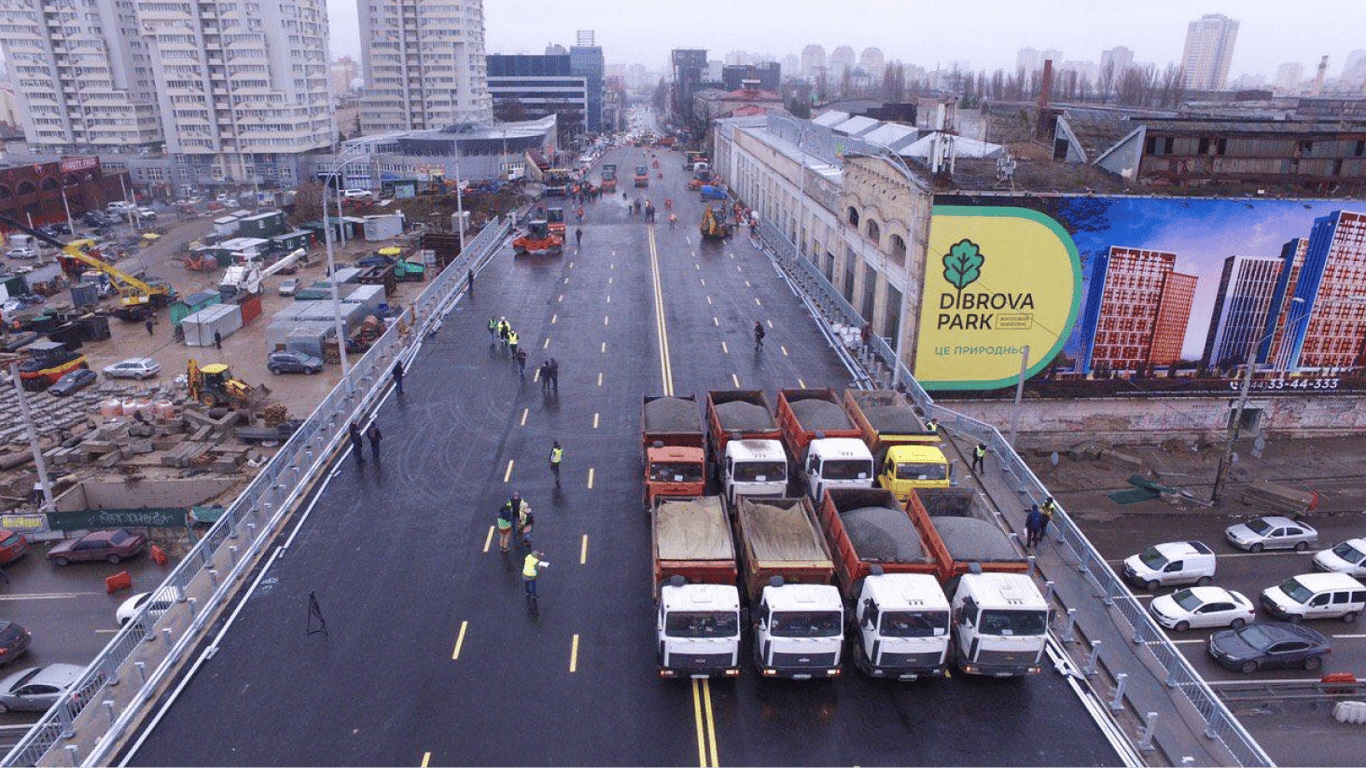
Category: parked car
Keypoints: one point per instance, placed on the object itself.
(1271, 532)
(13, 545)
(293, 362)
(133, 368)
(36, 689)
(1268, 645)
(121, 207)
(114, 546)
(1316, 596)
(356, 194)
(289, 287)
(147, 214)
(1173, 562)
(73, 382)
(14, 640)
(1349, 557)
(163, 600)
(1202, 607)
(22, 253)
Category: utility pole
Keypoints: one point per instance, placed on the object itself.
(1225, 461)
(37, 449)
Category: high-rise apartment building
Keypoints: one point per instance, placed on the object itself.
(813, 60)
(1137, 308)
(424, 65)
(1208, 52)
(242, 86)
(1328, 328)
(689, 70)
(1114, 62)
(842, 59)
(1289, 76)
(84, 76)
(1247, 288)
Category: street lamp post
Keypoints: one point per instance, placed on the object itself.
(34, 445)
(332, 266)
(1236, 423)
(1019, 393)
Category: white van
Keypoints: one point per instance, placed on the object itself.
(1171, 563)
(1316, 596)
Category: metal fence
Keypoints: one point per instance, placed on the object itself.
(1219, 723)
(87, 724)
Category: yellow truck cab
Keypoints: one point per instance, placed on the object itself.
(911, 466)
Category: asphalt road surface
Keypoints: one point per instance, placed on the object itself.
(432, 654)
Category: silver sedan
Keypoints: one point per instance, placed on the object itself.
(1271, 532)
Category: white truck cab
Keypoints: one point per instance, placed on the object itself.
(1000, 624)
(836, 462)
(697, 629)
(902, 621)
(754, 468)
(799, 631)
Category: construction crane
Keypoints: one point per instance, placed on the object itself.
(137, 298)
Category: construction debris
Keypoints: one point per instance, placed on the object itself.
(1280, 499)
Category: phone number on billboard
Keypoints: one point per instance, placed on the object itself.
(1276, 384)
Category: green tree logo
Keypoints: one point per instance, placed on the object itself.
(963, 264)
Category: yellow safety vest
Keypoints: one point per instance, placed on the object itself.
(529, 567)
(556, 455)
(512, 337)
(980, 452)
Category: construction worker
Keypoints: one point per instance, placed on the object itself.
(525, 523)
(375, 436)
(515, 508)
(504, 328)
(357, 442)
(521, 363)
(493, 330)
(530, 567)
(504, 523)
(556, 456)
(512, 342)
(979, 456)
(932, 425)
(578, 237)
(758, 335)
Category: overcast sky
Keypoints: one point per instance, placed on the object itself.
(924, 32)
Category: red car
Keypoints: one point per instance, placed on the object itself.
(113, 546)
(12, 546)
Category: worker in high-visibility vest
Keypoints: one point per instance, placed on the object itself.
(979, 457)
(530, 568)
(512, 343)
(556, 456)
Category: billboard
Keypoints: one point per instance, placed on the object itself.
(1089, 288)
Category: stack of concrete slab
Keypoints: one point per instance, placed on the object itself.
(223, 319)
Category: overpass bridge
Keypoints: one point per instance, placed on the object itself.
(432, 656)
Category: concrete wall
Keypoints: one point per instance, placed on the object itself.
(1061, 423)
(120, 494)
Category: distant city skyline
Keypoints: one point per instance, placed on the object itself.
(986, 33)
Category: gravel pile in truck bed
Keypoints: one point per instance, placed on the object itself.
(968, 539)
(671, 414)
(742, 416)
(884, 535)
(893, 419)
(818, 415)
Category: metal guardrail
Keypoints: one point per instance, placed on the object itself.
(1220, 724)
(148, 650)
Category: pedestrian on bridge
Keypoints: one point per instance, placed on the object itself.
(758, 335)
(521, 363)
(1034, 522)
(979, 457)
(556, 457)
(357, 442)
(544, 376)
(554, 374)
(578, 238)
(469, 278)
(513, 339)
(375, 436)
(398, 375)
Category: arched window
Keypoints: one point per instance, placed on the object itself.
(853, 216)
(898, 248)
(26, 188)
(874, 231)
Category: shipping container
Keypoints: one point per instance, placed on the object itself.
(225, 226)
(251, 308)
(371, 296)
(383, 227)
(192, 304)
(199, 328)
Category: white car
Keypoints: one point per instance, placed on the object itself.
(1271, 532)
(1202, 607)
(165, 598)
(121, 206)
(356, 194)
(133, 368)
(1349, 557)
(289, 287)
(22, 253)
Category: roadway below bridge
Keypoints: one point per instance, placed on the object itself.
(433, 656)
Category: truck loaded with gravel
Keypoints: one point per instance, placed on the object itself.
(697, 605)
(905, 450)
(824, 442)
(796, 614)
(1000, 620)
(898, 614)
(745, 445)
(673, 444)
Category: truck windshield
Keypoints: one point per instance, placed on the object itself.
(914, 623)
(1153, 559)
(702, 624)
(1017, 623)
(761, 472)
(667, 472)
(806, 624)
(850, 469)
(917, 471)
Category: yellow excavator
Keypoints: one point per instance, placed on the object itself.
(214, 385)
(714, 226)
(137, 298)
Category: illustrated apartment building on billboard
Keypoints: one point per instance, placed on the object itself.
(1137, 307)
(1327, 328)
(1247, 289)
(1274, 350)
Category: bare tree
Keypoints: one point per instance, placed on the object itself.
(1107, 80)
